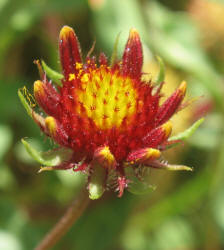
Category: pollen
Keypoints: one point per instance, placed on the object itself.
(107, 93)
(78, 65)
(85, 78)
(71, 77)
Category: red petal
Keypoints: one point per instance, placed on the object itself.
(69, 49)
(144, 155)
(102, 59)
(169, 107)
(132, 57)
(55, 130)
(47, 97)
(158, 135)
(81, 167)
(122, 184)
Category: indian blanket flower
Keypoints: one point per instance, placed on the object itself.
(109, 118)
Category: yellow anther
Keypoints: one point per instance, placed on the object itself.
(85, 78)
(98, 85)
(80, 72)
(78, 65)
(71, 77)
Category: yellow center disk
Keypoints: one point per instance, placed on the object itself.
(106, 97)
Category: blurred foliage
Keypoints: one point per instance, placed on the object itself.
(186, 211)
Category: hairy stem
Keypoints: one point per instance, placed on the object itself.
(74, 211)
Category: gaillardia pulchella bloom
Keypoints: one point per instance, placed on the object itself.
(108, 117)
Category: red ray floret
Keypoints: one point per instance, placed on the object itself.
(107, 115)
(132, 58)
(47, 97)
(69, 49)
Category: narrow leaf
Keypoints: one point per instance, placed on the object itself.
(164, 165)
(49, 158)
(52, 74)
(188, 132)
(26, 105)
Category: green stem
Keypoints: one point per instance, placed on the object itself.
(74, 211)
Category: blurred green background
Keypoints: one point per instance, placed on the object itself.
(186, 211)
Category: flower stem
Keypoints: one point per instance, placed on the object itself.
(73, 212)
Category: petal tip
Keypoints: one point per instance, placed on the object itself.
(133, 33)
(104, 157)
(183, 87)
(38, 87)
(144, 155)
(65, 31)
(167, 128)
(153, 153)
(50, 123)
(133, 57)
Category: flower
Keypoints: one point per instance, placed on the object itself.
(107, 115)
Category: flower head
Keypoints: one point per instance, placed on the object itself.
(106, 114)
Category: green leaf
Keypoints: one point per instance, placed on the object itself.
(49, 158)
(52, 74)
(161, 76)
(188, 132)
(38, 118)
(25, 103)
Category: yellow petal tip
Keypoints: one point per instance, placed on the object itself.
(38, 87)
(133, 33)
(50, 124)
(167, 127)
(183, 87)
(153, 153)
(65, 31)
